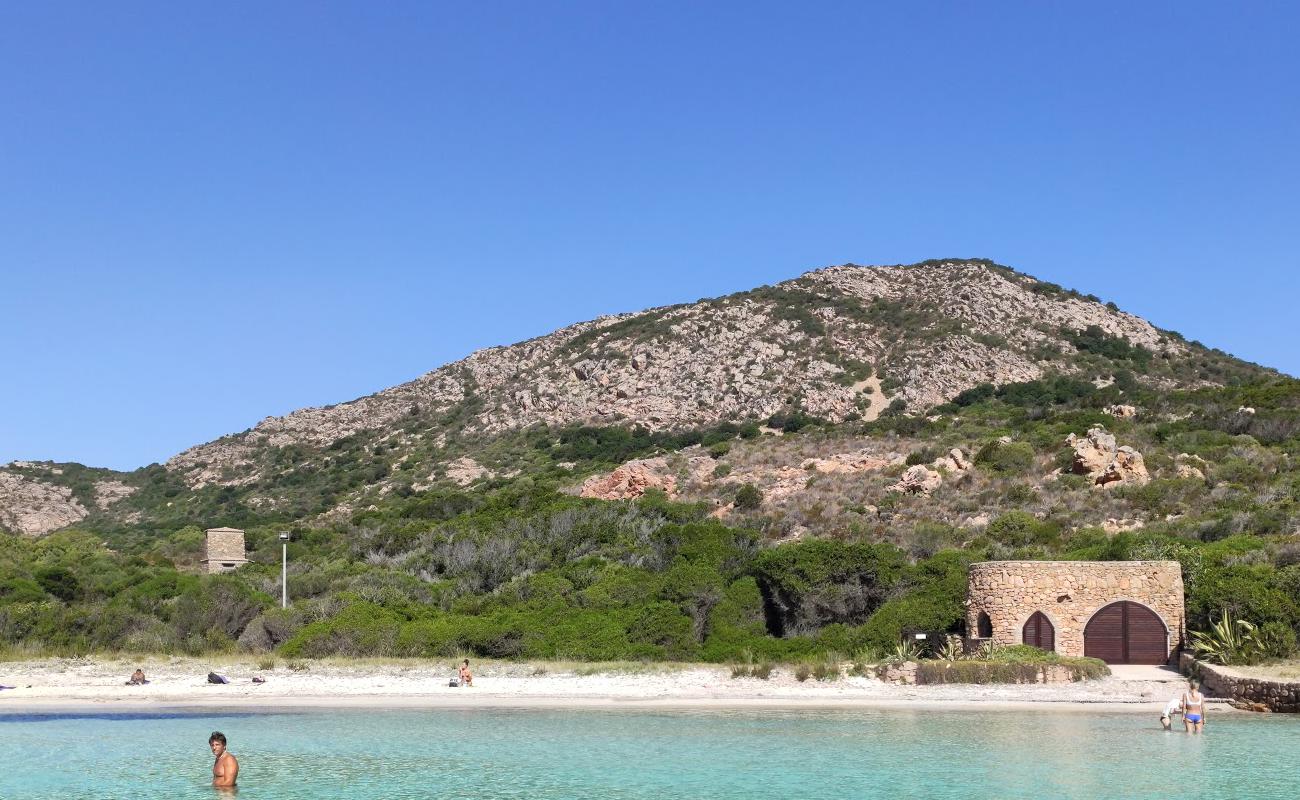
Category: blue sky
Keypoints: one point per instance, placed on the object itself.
(210, 213)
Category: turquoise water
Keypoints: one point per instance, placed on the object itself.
(541, 754)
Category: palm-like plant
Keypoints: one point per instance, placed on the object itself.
(906, 650)
(951, 649)
(1227, 641)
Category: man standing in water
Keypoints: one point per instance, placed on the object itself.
(225, 769)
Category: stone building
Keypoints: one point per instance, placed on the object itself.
(1123, 612)
(223, 550)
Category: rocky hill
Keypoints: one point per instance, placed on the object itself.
(838, 345)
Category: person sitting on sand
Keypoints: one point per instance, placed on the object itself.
(225, 769)
(1174, 706)
(1193, 708)
(466, 679)
(137, 678)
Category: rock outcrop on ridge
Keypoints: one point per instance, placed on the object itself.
(1106, 463)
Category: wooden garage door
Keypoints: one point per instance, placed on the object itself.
(1039, 632)
(1126, 633)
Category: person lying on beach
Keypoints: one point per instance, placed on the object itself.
(225, 769)
(1174, 706)
(466, 679)
(137, 678)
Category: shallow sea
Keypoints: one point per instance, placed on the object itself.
(542, 754)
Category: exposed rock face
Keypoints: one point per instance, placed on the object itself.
(109, 492)
(32, 508)
(464, 471)
(690, 475)
(631, 481)
(917, 479)
(1190, 466)
(1099, 457)
(1122, 411)
(1112, 525)
(847, 463)
(781, 484)
(955, 461)
(737, 357)
(1127, 468)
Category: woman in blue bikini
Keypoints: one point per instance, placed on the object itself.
(1193, 708)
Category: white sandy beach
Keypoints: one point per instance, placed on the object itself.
(181, 682)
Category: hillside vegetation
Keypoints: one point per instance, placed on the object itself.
(782, 534)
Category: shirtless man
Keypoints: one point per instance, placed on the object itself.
(466, 679)
(225, 769)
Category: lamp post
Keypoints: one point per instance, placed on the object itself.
(284, 569)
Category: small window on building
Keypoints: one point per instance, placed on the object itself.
(985, 626)
(229, 566)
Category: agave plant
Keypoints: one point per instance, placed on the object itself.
(1227, 642)
(906, 650)
(951, 649)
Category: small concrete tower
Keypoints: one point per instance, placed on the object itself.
(223, 550)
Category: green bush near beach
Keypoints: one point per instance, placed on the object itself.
(1016, 664)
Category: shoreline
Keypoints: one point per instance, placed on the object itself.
(180, 684)
(310, 704)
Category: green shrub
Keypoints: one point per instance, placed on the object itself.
(20, 590)
(430, 638)
(934, 603)
(1020, 494)
(361, 629)
(1243, 591)
(664, 626)
(827, 668)
(1007, 458)
(1093, 339)
(1276, 640)
(736, 622)
(1020, 528)
(60, 582)
(814, 583)
(749, 667)
(925, 455)
(749, 497)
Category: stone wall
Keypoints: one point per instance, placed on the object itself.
(1069, 593)
(223, 546)
(1256, 694)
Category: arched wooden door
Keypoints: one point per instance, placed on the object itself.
(1126, 633)
(1039, 632)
